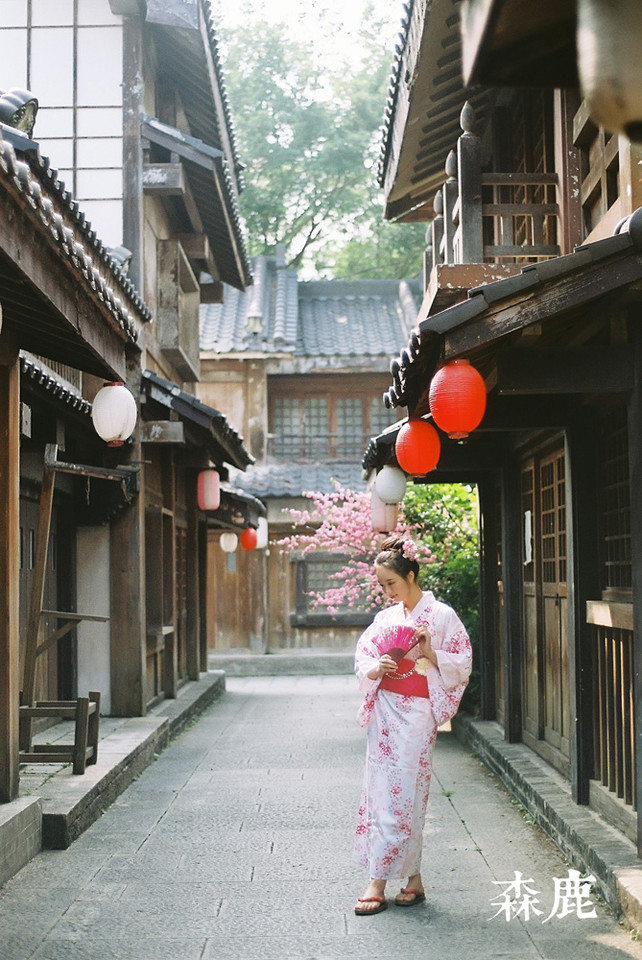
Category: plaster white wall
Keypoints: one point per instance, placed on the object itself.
(92, 552)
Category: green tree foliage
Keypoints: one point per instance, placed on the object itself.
(447, 515)
(309, 132)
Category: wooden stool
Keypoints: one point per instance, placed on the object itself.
(85, 711)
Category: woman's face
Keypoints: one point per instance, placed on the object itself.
(394, 586)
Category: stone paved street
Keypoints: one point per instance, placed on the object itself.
(236, 843)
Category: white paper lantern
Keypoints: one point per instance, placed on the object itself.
(390, 484)
(262, 532)
(229, 542)
(209, 490)
(384, 515)
(113, 413)
(609, 62)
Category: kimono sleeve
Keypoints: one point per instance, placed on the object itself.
(455, 656)
(367, 656)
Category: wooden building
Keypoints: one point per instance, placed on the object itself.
(532, 272)
(146, 146)
(300, 367)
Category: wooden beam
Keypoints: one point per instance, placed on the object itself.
(518, 414)
(162, 431)
(133, 87)
(75, 327)
(9, 573)
(544, 302)
(583, 578)
(635, 488)
(127, 590)
(582, 370)
(164, 179)
(38, 584)
(512, 584)
(193, 586)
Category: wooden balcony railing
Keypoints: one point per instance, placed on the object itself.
(491, 217)
(614, 713)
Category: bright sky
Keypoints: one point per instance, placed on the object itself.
(331, 25)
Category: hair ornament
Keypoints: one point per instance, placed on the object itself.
(409, 550)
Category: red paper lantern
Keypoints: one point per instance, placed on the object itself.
(249, 538)
(457, 398)
(209, 490)
(417, 447)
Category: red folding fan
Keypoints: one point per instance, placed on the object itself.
(396, 641)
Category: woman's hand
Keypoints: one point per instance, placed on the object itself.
(425, 647)
(386, 665)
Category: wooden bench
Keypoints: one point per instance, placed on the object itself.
(85, 712)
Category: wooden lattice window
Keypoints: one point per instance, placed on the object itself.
(553, 519)
(599, 168)
(313, 575)
(614, 502)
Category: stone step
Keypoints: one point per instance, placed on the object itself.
(296, 663)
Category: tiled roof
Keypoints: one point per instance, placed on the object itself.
(293, 479)
(531, 282)
(54, 386)
(60, 214)
(353, 317)
(211, 184)
(228, 444)
(393, 90)
(309, 319)
(270, 304)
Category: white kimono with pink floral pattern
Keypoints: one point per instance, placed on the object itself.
(400, 736)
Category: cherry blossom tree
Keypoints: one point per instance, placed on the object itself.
(340, 522)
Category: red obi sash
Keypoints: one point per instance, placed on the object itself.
(412, 685)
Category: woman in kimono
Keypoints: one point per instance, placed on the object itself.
(404, 703)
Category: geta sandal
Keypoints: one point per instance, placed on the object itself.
(383, 905)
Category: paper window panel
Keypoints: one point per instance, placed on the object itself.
(54, 123)
(13, 13)
(99, 121)
(99, 152)
(51, 70)
(99, 184)
(59, 151)
(99, 87)
(319, 579)
(96, 13)
(13, 58)
(52, 13)
(106, 218)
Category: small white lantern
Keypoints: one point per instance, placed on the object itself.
(262, 533)
(609, 63)
(229, 542)
(209, 490)
(113, 413)
(390, 485)
(384, 515)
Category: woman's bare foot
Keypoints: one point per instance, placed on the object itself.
(414, 884)
(376, 888)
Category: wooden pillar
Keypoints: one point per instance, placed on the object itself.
(512, 581)
(9, 570)
(203, 574)
(192, 627)
(471, 246)
(450, 192)
(489, 628)
(635, 481)
(583, 580)
(132, 149)
(127, 584)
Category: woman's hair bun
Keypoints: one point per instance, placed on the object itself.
(393, 542)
